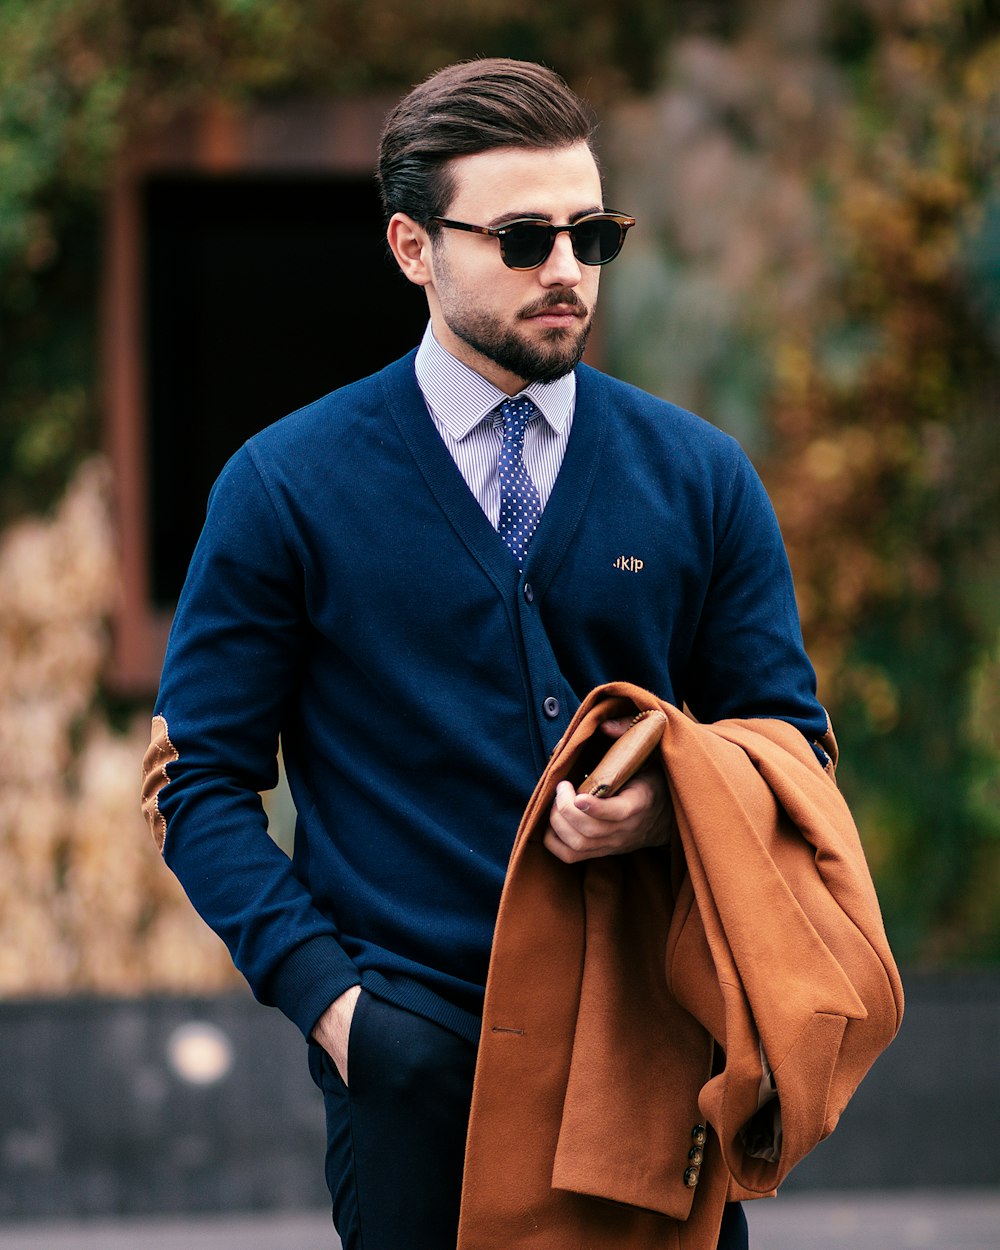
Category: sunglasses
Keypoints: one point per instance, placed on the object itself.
(595, 239)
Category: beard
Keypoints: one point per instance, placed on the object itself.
(553, 355)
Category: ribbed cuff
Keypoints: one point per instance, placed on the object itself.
(412, 996)
(309, 979)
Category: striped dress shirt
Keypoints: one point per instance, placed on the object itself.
(463, 407)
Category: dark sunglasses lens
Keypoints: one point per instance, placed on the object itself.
(525, 245)
(597, 241)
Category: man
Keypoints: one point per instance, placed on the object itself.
(413, 582)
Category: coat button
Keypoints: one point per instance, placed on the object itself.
(698, 1134)
(691, 1178)
(529, 593)
(696, 1156)
(551, 707)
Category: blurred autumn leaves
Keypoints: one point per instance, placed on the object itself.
(817, 267)
(886, 468)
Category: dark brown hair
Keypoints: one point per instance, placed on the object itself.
(467, 108)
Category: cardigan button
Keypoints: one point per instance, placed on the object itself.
(696, 1156)
(551, 707)
(529, 593)
(691, 1177)
(698, 1134)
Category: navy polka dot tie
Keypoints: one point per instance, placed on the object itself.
(520, 506)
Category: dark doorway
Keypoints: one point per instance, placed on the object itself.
(262, 293)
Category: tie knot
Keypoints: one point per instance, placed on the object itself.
(517, 413)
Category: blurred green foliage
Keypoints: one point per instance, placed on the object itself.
(881, 402)
(59, 109)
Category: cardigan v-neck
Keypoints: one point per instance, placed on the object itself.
(566, 503)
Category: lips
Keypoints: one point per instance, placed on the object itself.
(557, 324)
(560, 311)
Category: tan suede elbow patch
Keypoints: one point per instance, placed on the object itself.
(160, 753)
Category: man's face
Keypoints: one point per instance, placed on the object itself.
(515, 326)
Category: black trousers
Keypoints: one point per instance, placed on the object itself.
(396, 1139)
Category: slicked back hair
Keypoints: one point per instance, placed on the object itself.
(466, 108)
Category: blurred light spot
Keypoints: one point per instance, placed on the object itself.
(200, 1053)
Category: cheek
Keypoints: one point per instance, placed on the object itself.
(502, 294)
(484, 282)
(589, 286)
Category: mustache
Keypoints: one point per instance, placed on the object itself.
(566, 298)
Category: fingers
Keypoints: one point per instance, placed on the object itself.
(583, 827)
(571, 827)
(332, 1030)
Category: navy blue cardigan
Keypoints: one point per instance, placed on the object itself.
(349, 595)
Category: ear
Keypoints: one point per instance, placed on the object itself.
(411, 247)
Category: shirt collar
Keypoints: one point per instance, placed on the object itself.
(460, 398)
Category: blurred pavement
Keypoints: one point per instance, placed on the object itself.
(951, 1219)
(251, 1231)
(890, 1220)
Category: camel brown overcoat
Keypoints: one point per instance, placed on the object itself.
(679, 1026)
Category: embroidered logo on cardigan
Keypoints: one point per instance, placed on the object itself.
(629, 564)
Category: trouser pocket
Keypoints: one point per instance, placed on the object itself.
(396, 1135)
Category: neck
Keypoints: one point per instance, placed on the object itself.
(501, 378)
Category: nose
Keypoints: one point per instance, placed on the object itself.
(561, 268)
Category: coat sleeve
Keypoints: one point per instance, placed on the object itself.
(783, 953)
(230, 675)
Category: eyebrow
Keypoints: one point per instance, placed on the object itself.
(506, 218)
